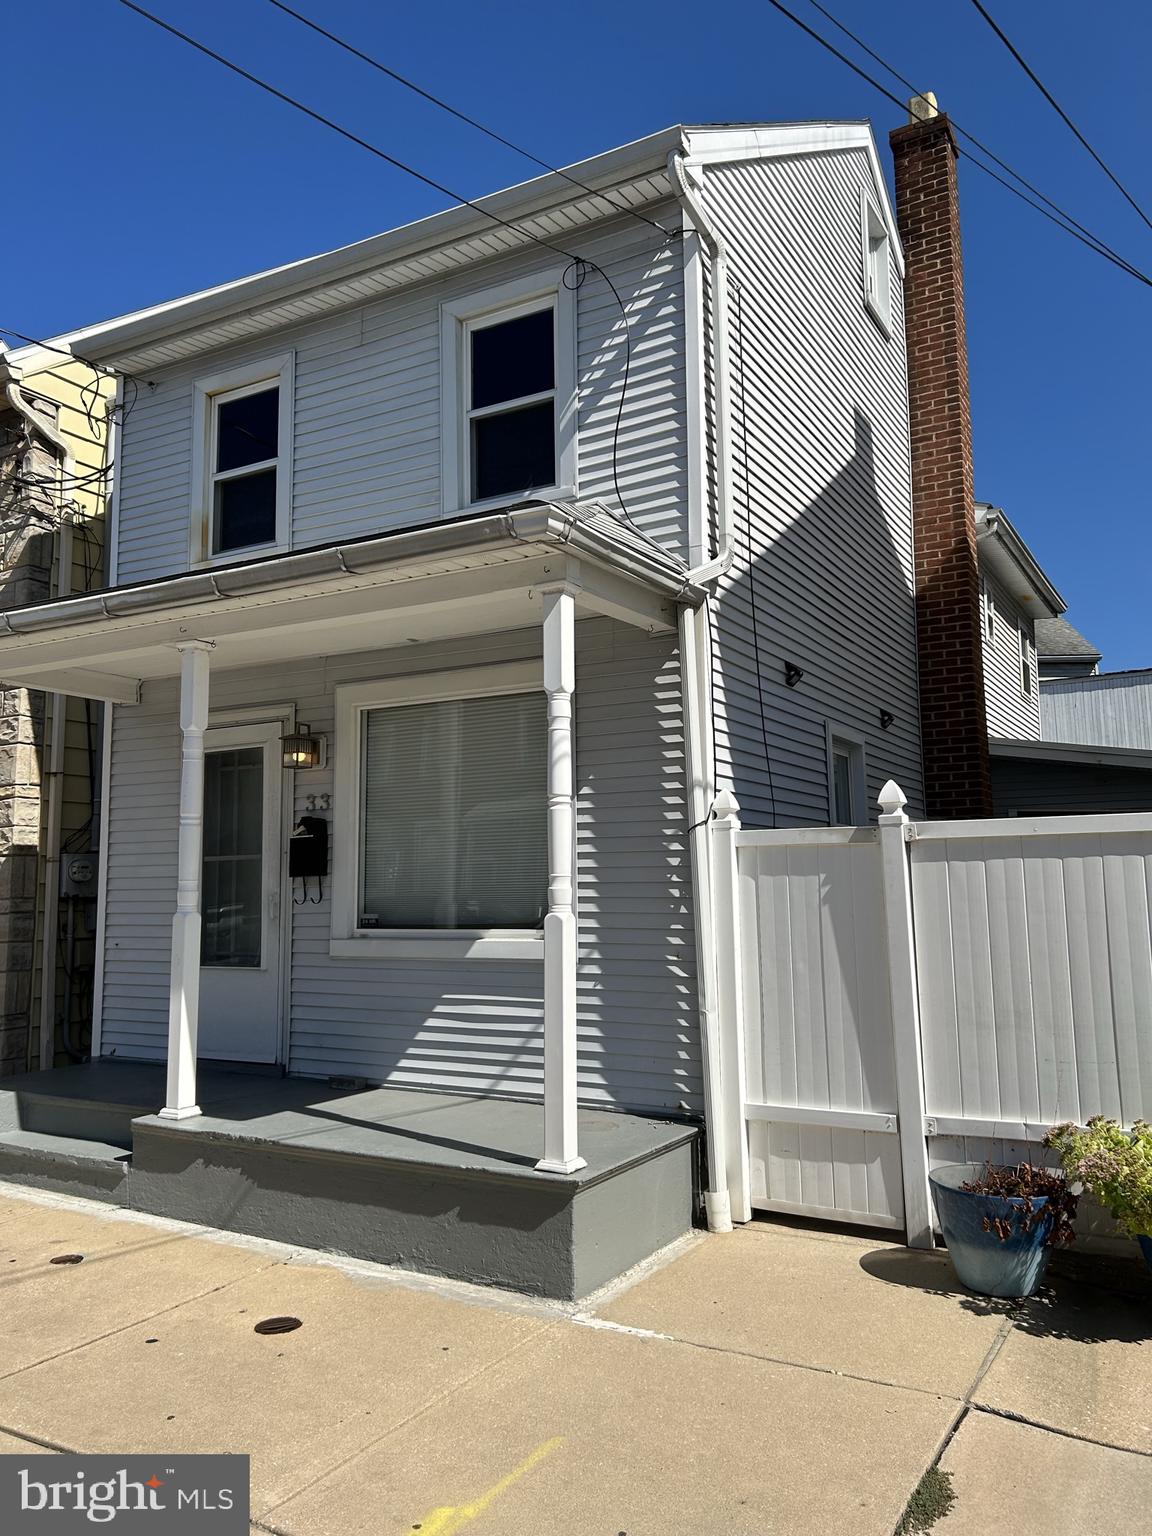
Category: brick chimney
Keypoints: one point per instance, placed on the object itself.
(953, 716)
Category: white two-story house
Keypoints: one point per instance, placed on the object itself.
(453, 575)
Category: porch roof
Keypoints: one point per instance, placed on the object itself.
(468, 576)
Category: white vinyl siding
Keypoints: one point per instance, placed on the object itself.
(367, 429)
(469, 1025)
(820, 402)
(1011, 711)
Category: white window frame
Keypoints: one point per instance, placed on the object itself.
(208, 393)
(857, 751)
(348, 940)
(458, 319)
(877, 263)
(989, 610)
(1027, 658)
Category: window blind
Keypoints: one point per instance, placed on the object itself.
(454, 829)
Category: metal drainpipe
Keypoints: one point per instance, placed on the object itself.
(695, 654)
(57, 715)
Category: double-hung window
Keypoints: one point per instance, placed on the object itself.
(242, 461)
(1027, 663)
(877, 263)
(443, 781)
(508, 387)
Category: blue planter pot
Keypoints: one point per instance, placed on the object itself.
(1146, 1249)
(983, 1263)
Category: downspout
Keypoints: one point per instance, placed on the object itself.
(54, 773)
(696, 661)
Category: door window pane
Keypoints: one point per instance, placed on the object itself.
(454, 829)
(233, 870)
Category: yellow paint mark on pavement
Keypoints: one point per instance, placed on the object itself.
(449, 1519)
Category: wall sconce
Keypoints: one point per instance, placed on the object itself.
(792, 673)
(886, 719)
(303, 750)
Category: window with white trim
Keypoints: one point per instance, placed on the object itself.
(877, 263)
(242, 461)
(1027, 663)
(847, 780)
(508, 364)
(443, 781)
(989, 610)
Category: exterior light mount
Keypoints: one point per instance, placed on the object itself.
(301, 749)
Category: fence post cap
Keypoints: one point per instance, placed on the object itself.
(892, 799)
(726, 808)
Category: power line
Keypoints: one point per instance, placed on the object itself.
(1090, 241)
(1059, 110)
(463, 116)
(573, 276)
(346, 133)
(972, 139)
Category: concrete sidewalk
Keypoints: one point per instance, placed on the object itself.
(777, 1382)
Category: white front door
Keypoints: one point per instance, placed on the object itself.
(240, 946)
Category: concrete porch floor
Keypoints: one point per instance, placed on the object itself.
(771, 1382)
(444, 1183)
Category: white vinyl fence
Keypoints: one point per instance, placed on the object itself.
(918, 993)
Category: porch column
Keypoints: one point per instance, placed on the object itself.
(561, 1154)
(184, 996)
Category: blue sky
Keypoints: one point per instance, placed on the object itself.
(143, 171)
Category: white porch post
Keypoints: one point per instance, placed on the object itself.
(561, 1154)
(184, 999)
(905, 994)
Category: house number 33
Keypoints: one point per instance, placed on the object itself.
(317, 802)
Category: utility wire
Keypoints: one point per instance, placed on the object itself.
(971, 137)
(445, 106)
(1090, 241)
(346, 133)
(573, 276)
(1059, 110)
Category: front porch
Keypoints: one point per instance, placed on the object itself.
(445, 1184)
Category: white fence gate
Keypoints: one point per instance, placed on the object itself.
(923, 993)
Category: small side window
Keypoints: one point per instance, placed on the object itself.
(989, 610)
(847, 780)
(877, 264)
(1027, 663)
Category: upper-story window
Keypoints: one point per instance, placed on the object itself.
(242, 461)
(1027, 663)
(989, 610)
(877, 263)
(508, 375)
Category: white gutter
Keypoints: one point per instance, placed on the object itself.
(696, 663)
(54, 773)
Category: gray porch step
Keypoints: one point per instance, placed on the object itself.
(93, 1102)
(68, 1165)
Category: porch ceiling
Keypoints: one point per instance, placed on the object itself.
(465, 578)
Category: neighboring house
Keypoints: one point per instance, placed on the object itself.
(53, 489)
(1067, 745)
(1063, 651)
(446, 594)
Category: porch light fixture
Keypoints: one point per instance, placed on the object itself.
(302, 749)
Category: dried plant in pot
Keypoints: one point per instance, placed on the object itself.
(1001, 1223)
(1115, 1167)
